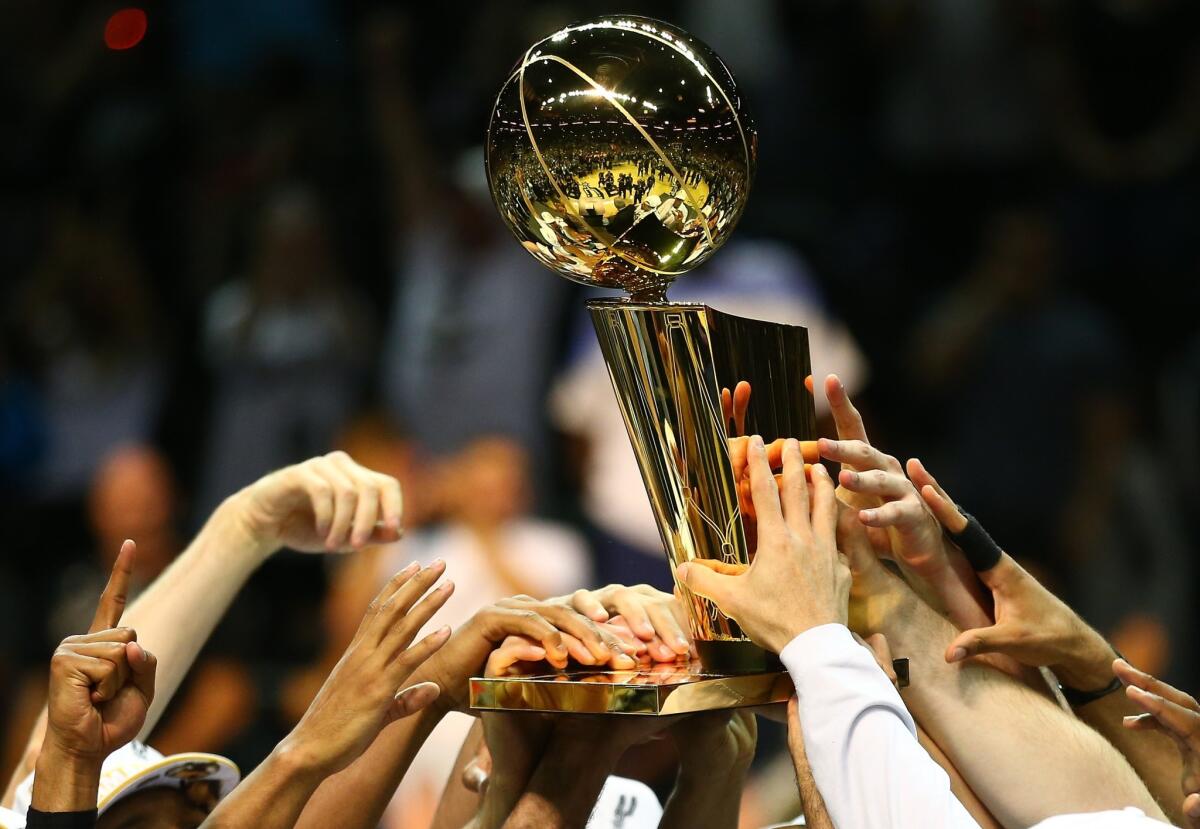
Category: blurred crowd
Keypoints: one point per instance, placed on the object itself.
(263, 232)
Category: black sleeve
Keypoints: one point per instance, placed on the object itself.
(60, 820)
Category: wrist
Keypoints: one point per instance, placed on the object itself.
(65, 780)
(1088, 666)
(231, 520)
(298, 760)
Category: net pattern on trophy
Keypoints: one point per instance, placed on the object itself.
(619, 154)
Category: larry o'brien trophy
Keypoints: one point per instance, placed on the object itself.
(620, 154)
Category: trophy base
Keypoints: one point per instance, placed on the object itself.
(734, 658)
(658, 690)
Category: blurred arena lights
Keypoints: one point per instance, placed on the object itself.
(125, 29)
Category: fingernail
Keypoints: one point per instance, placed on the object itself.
(819, 469)
(958, 655)
(623, 663)
(412, 567)
(443, 631)
(1194, 809)
(757, 442)
(681, 572)
(867, 516)
(438, 564)
(682, 643)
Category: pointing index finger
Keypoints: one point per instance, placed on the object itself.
(116, 592)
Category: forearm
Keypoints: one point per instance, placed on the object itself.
(962, 791)
(1152, 754)
(175, 616)
(356, 797)
(985, 722)
(565, 786)
(64, 783)
(816, 816)
(706, 797)
(459, 805)
(273, 796)
(860, 740)
(179, 611)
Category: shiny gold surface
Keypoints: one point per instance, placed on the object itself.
(669, 364)
(660, 690)
(620, 96)
(620, 154)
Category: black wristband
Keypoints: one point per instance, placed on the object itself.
(980, 549)
(60, 820)
(1077, 699)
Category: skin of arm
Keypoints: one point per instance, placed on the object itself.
(1038, 629)
(715, 752)
(461, 796)
(1001, 735)
(324, 504)
(567, 781)
(816, 816)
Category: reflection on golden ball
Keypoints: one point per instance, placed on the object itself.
(620, 153)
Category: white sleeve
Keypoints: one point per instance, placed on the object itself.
(861, 741)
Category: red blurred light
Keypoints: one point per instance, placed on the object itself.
(125, 29)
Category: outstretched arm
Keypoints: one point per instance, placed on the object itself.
(324, 504)
(985, 721)
(361, 696)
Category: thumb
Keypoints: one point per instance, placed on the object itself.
(1191, 808)
(975, 642)
(705, 582)
(413, 698)
(143, 666)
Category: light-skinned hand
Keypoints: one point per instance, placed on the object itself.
(466, 653)
(324, 504)
(654, 617)
(797, 579)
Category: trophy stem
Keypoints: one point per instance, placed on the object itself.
(650, 294)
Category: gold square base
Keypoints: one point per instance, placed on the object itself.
(658, 690)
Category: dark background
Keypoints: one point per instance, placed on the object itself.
(205, 243)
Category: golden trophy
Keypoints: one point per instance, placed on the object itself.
(620, 154)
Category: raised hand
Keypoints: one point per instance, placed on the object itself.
(325, 504)
(1036, 628)
(734, 407)
(102, 682)
(101, 686)
(365, 691)
(797, 579)
(903, 515)
(1175, 713)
